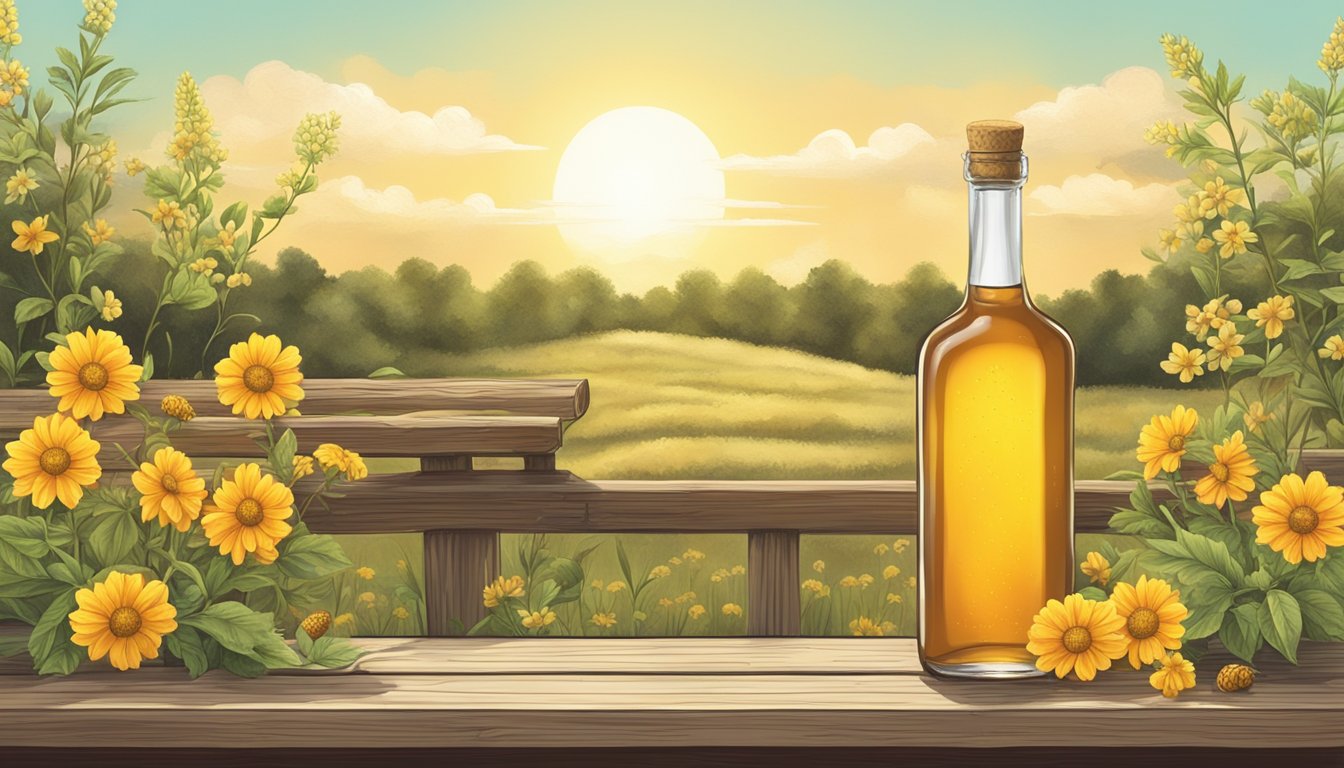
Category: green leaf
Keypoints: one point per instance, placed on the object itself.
(1138, 524)
(49, 644)
(332, 652)
(1322, 614)
(1335, 294)
(186, 644)
(234, 214)
(114, 537)
(243, 631)
(26, 536)
(311, 557)
(1241, 631)
(1208, 601)
(387, 372)
(282, 454)
(32, 308)
(1280, 619)
(1093, 593)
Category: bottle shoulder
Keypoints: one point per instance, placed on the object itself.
(1020, 324)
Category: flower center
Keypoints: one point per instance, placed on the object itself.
(1303, 519)
(92, 376)
(1142, 623)
(250, 512)
(169, 483)
(1219, 471)
(1077, 639)
(1176, 443)
(258, 378)
(124, 622)
(55, 461)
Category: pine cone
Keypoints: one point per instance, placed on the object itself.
(1235, 677)
(317, 624)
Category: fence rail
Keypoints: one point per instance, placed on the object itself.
(462, 511)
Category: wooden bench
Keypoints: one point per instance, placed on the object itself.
(767, 692)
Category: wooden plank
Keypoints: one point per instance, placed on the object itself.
(458, 564)
(565, 399)
(772, 578)
(445, 464)
(558, 502)
(633, 702)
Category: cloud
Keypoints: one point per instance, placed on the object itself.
(1097, 194)
(834, 154)
(266, 105)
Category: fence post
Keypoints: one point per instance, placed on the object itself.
(457, 565)
(772, 583)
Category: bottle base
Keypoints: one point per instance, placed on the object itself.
(984, 670)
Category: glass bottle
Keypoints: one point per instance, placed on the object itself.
(995, 436)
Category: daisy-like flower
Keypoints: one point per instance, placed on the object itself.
(1333, 349)
(1197, 321)
(1169, 240)
(1162, 441)
(19, 185)
(100, 232)
(659, 572)
(1216, 199)
(1225, 347)
(1232, 237)
(696, 611)
(1096, 568)
(537, 619)
(615, 586)
(33, 236)
(169, 214)
(123, 618)
(134, 166)
(1204, 245)
(1174, 674)
(92, 374)
(502, 589)
(251, 510)
(56, 459)
(1271, 314)
(732, 609)
(365, 572)
(1153, 613)
(890, 572)
(170, 490)
(866, 627)
(604, 620)
(347, 463)
(111, 306)
(1300, 518)
(260, 378)
(1183, 362)
(1077, 635)
(1255, 416)
(1230, 475)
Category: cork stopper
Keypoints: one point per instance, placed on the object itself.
(994, 150)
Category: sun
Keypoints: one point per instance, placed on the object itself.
(637, 181)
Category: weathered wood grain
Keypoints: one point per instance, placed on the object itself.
(562, 398)
(558, 502)
(773, 605)
(661, 693)
(457, 565)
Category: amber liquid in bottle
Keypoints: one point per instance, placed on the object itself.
(995, 428)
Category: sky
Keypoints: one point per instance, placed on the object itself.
(781, 134)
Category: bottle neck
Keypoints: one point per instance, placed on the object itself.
(996, 230)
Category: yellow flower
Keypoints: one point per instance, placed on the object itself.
(1221, 310)
(1300, 519)
(819, 566)
(56, 459)
(537, 619)
(366, 573)
(33, 236)
(92, 374)
(228, 234)
(1153, 613)
(1224, 348)
(301, 468)
(343, 619)
(1162, 441)
(346, 462)
(169, 214)
(899, 545)
(660, 572)
(1174, 674)
(911, 582)
(1332, 53)
(598, 584)
(259, 378)
(696, 611)
(250, 515)
(98, 16)
(134, 166)
(111, 306)
(193, 127)
(502, 589)
(238, 279)
(865, 627)
(315, 138)
(685, 597)
(1216, 199)
(881, 549)
(178, 407)
(204, 266)
(1078, 635)
(14, 75)
(401, 613)
(615, 586)
(1204, 245)
(604, 620)
(1233, 237)
(123, 618)
(693, 555)
(1185, 60)
(9, 23)
(866, 580)
(1230, 473)
(19, 185)
(719, 575)
(893, 598)
(170, 489)
(732, 609)
(368, 598)
(1255, 416)
(1188, 211)
(674, 560)
(890, 572)
(1096, 568)
(1162, 132)
(1271, 314)
(665, 602)
(738, 570)
(1293, 117)
(1186, 363)
(812, 585)
(1169, 240)
(849, 582)
(1333, 349)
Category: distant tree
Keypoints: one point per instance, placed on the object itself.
(755, 308)
(834, 304)
(698, 296)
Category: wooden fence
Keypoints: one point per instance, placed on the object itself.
(447, 423)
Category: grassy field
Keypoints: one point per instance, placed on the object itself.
(678, 407)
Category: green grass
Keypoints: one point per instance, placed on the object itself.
(679, 407)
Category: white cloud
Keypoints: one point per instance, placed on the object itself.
(1104, 121)
(834, 154)
(1097, 194)
(268, 103)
